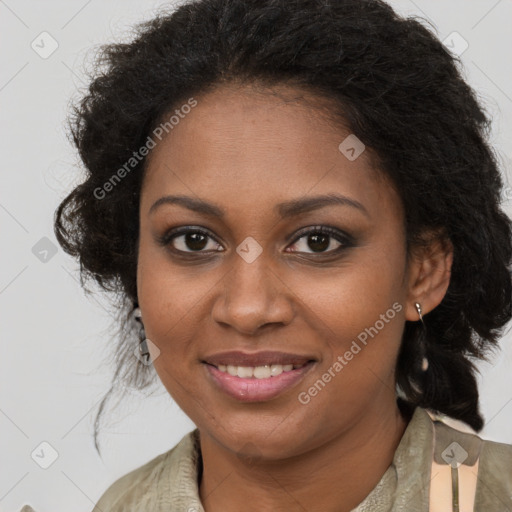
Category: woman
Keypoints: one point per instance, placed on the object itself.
(298, 205)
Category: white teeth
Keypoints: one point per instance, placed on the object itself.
(262, 372)
(244, 372)
(276, 369)
(258, 372)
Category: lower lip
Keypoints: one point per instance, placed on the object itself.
(257, 390)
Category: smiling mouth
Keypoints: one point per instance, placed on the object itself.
(256, 376)
(260, 383)
(258, 372)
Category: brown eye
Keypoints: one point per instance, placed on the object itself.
(190, 240)
(320, 240)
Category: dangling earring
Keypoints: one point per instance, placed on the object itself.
(143, 346)
(422, 339)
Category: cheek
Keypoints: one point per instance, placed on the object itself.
(359, 311)
(353, 296)
(359, 349)
(167, 299)
(167, 293)
(360, 319)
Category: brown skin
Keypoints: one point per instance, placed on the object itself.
(246, 151)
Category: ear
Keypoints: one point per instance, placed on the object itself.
(430, 265)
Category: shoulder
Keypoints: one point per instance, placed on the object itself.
(130, 489)
(494, 473)
(499, 454)
(495, 458)
(132, 484)
(493, 452)
(142, 485)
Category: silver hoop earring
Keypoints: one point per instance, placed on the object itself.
(422, 339)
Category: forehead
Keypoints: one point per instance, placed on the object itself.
(260, 146)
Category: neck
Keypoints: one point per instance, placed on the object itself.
(337, 476)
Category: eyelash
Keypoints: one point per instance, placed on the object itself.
(344, 239)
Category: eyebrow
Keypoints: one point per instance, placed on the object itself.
(285, 210)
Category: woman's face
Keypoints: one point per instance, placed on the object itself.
(254, 284)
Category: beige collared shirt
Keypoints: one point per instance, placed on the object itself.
(169, 482)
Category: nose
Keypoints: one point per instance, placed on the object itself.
(253, 297)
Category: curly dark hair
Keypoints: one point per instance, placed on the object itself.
(392, 83)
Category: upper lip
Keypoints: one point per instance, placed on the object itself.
(237, 358)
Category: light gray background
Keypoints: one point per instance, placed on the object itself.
(53, 371)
